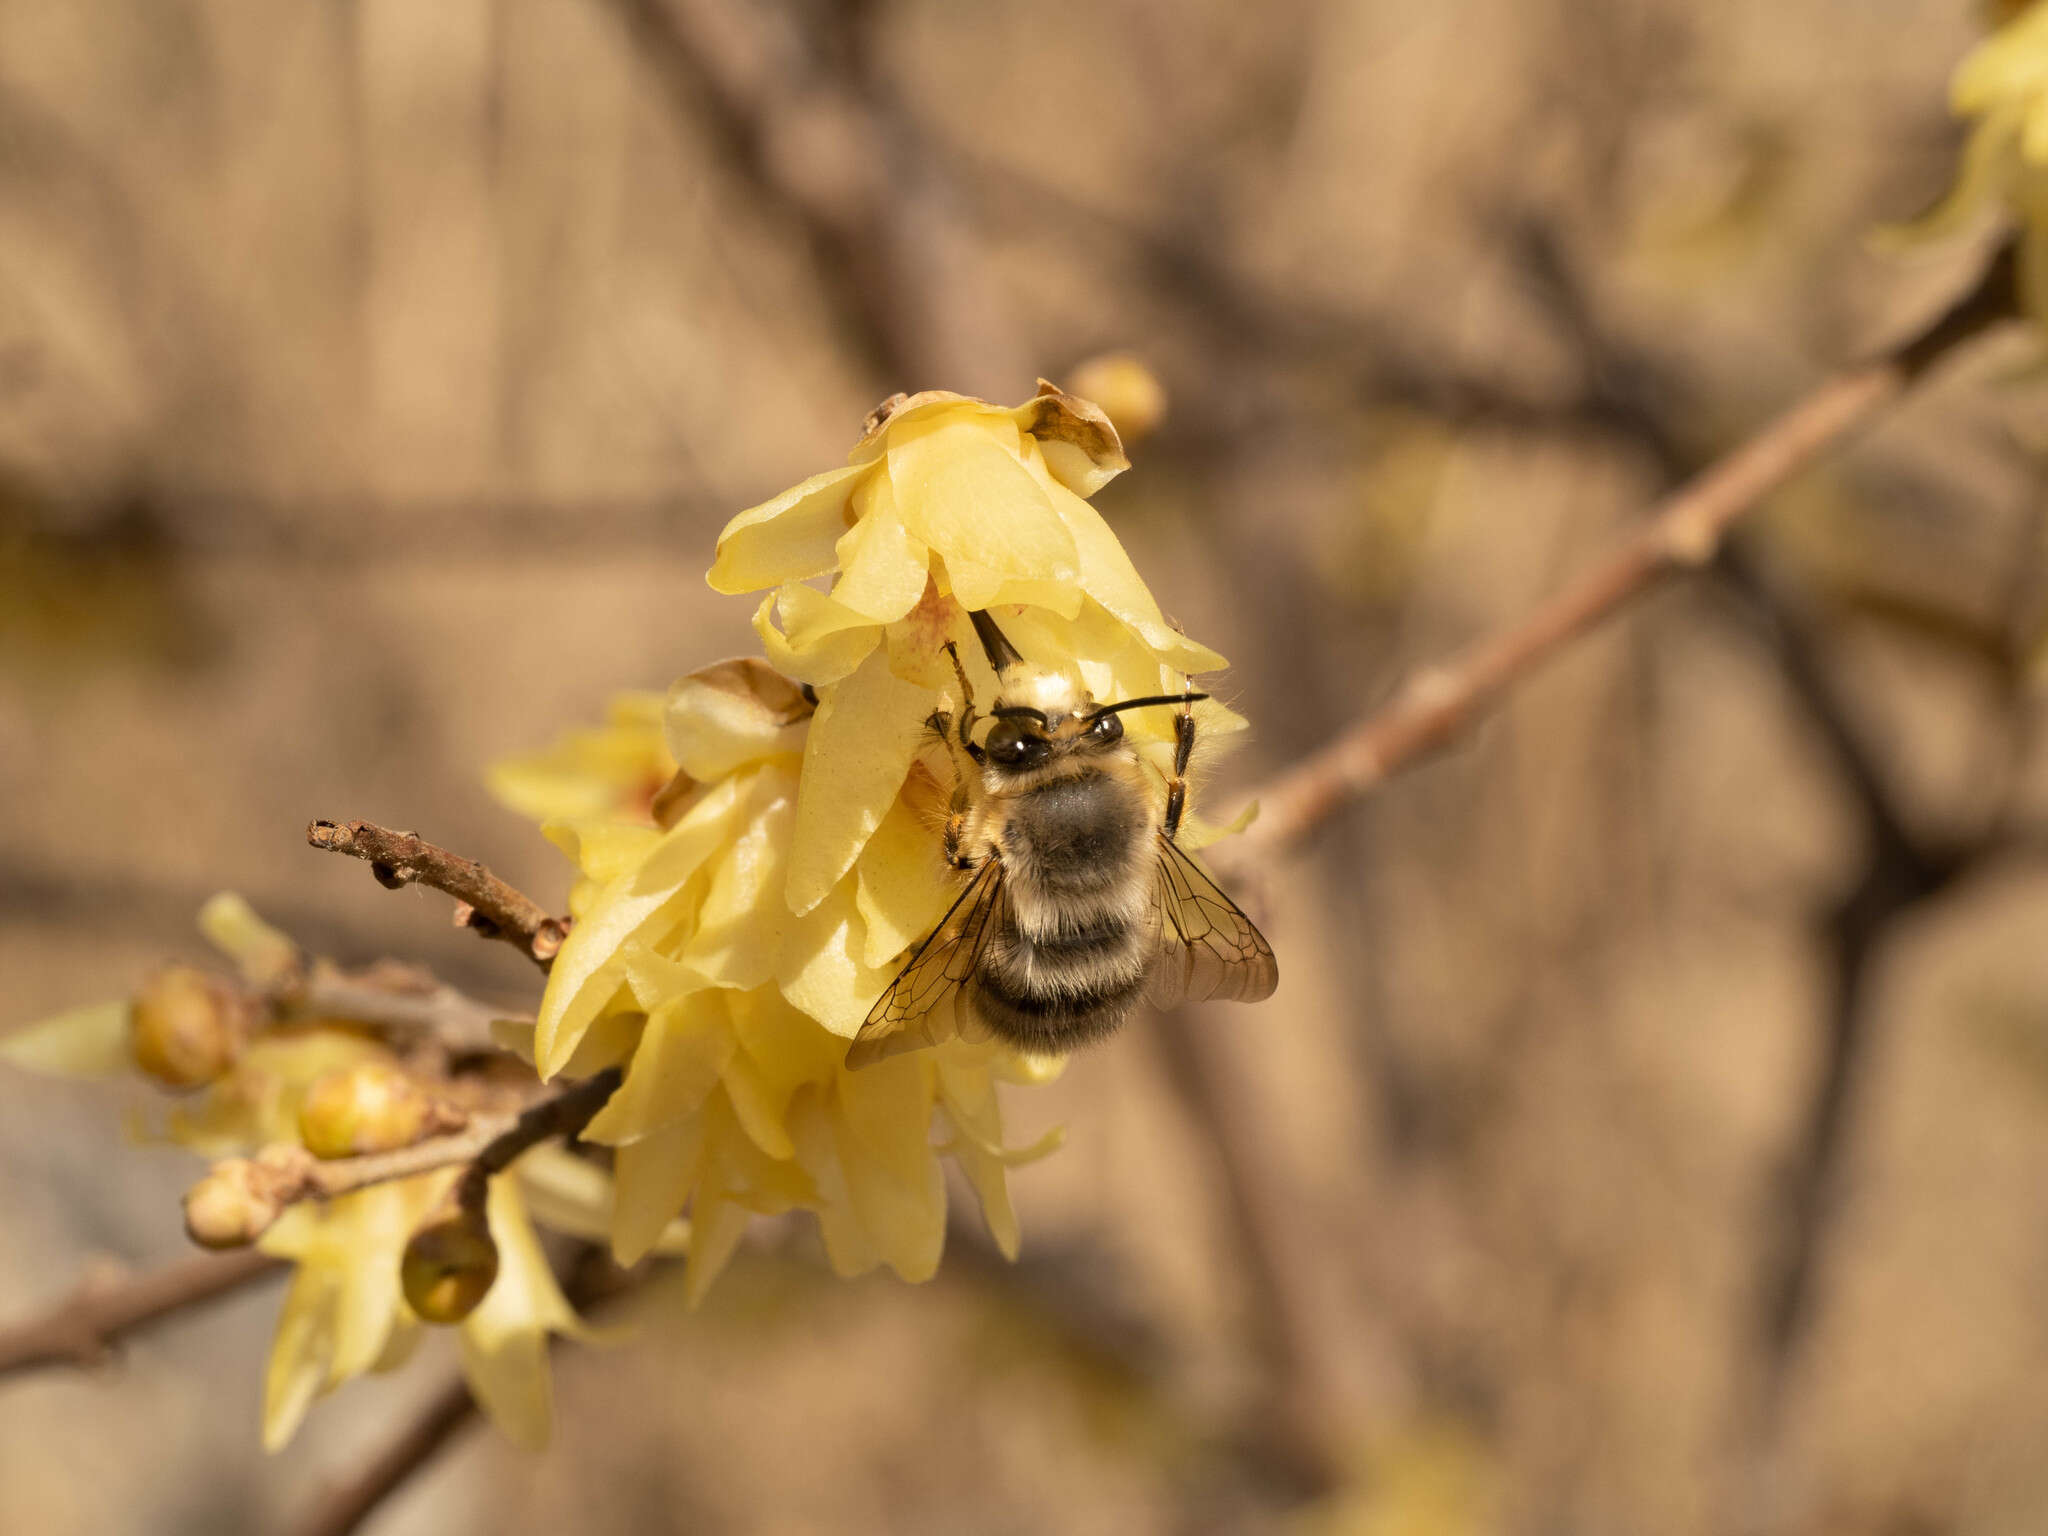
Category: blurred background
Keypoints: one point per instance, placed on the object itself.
(1649, 1133)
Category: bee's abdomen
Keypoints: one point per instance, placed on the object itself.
(1061, 990)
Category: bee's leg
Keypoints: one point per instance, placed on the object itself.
(967, 715)
(1177, 781)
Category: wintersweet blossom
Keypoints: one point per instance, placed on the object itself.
(2002, 85)
(728, 945)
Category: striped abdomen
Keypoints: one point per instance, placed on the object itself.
(1075, 940)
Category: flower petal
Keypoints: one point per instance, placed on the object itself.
(654, 1175)
(85, 1042)
(862, 740)
(963, 491)
(588, 971)
(681, 1054)
(723, 717)
(904, 885)
(819, 641)
(786, 538)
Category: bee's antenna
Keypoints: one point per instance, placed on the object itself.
(1157, 698)
(1001, 654)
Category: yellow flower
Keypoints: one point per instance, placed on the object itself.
(2003, 85)
(618, 767)
(948, 504)
(344, 1313)
(732, 1015)
(726, 955)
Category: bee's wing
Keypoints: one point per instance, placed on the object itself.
(927, 1002)
(1208, 948)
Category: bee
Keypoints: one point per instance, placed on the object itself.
(1079, 901)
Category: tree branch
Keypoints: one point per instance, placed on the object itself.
(485, 903)
(101, 1311)
(1682, 533)
(445, 1415)
(242, 1197)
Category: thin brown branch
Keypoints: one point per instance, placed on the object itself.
(403, 1000)
(1681, 534)
(487, 904)
(104, 1310)
(242, 1197)
(448, 1412)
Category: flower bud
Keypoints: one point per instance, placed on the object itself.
(1128, 392)
(185, 1027)
(449, 1267)
(233, 1205)
(370, 1107)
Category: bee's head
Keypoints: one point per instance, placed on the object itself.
(1025, 736)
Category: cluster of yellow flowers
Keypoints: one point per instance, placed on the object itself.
(726, 953)
(755, 854)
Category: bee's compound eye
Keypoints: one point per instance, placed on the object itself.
(1013, 743)
(1107, 728)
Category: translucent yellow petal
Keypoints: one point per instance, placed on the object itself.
(786, 1047)
(735, 1166)
(787, 538)
(654, 978)
(588, 971)
(572, 1195)
(962, 490)
(716, 1227)
(1107, 575)
(904, 885)
(896, 1188)
(654, 1175)
(900, 413)
(758, 1106)
(818, 641)
(847, 1245)
(504, 1341)
(86, 1042)
(374, 1224)
(888, 1109)
(882, 569)
(299, 1354)
(602, 847)
(862, 741)
(260, 952)
(685, 1047)
(610, 1040)
(740, 932)
(823, 971)
(721, 718)
(990, 1181)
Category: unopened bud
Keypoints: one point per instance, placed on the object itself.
(370, 1107)
(1129, 393)
(449, 1267)
(185, 1027)
(233, 1205)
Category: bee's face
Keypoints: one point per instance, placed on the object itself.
(1022, 738)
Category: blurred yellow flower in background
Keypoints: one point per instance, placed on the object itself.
(2002, 84)
(343, 1313)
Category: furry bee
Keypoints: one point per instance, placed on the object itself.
(1079, 901)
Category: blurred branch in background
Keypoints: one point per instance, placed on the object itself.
(106, 1308)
